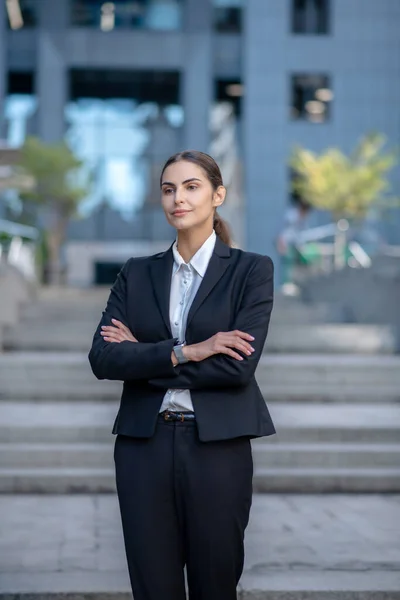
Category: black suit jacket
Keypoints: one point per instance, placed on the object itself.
(236, 293)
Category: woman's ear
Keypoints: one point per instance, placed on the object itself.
(219, 196)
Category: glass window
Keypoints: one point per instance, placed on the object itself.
(21, 13)
(145, 86)
(20, 107)
(228, 16)
(228, 20)
(310, 16)
(128, 14)
(311, 98)
(123, 124)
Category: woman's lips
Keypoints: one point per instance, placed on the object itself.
(180, 213)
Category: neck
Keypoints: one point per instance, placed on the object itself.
(190, 241)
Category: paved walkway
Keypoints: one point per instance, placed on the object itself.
(295, 545)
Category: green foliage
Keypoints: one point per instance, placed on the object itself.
(58, 191)
(55, 170)
(347, 186)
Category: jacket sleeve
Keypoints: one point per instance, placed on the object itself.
(221, 370)
(127, 360)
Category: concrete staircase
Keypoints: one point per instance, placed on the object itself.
(63, 447)
(65, 320)
(333, 392)
(336, 413)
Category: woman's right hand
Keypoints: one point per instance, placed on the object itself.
(221, 343)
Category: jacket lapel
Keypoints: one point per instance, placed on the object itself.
(217, 266)
(161, 271)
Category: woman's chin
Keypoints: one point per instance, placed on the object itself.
(181, 223)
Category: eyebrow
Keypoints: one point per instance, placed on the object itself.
(186, 181)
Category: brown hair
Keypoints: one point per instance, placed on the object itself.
(212, 170)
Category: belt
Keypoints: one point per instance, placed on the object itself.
(169, 415)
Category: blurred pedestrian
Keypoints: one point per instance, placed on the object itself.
(295, 221)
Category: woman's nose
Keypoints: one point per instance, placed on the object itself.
(179, 196)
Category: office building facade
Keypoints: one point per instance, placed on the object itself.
(129, 82)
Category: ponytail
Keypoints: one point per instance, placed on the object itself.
(222, 229)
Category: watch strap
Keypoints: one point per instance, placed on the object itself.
(181, 358)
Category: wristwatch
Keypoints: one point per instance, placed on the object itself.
(180, 357)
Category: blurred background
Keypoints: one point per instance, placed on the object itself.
(299, 103)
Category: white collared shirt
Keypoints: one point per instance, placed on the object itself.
(186, 280)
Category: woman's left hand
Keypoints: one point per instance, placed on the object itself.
(119, 333)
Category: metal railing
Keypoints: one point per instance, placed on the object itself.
(337, 254)
(342, 251)
(20, 248)
(19, 230)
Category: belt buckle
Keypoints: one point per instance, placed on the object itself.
(167, 416)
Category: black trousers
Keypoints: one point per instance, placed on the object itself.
(183, 502)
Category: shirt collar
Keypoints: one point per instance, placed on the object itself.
(200, 260)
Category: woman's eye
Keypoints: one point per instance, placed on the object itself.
(167, 190)
(192, 187)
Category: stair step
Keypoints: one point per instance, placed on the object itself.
(323, 455)
(275, 584)
(317, 480)
(64, 422)
(102, 480)
(76, 334)
(107, 391)
(56, 480)
(266, 455)
(54, 455)
(282, 377)
(382, 435)
(337, 338)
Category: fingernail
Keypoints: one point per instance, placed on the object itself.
(252, 338)
(248, 352)
(252, 349)
(103, 326)
(114, 320)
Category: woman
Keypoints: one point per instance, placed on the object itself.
(184, 330)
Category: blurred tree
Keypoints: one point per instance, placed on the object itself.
(347, 186)
(59, 189)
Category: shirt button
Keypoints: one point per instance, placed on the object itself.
(185, 282)
(181, 302)
(176, 323)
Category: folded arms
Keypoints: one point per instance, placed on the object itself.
(152, 361)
